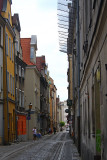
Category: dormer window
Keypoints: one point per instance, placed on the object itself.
(32, 52)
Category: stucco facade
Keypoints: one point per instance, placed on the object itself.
(32, 95)
(93, 80)
(1, 78)
(8, 75)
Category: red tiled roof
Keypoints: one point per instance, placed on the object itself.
(1, 5)
(25, 44)
(40, 62)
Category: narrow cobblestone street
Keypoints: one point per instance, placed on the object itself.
(50, 147)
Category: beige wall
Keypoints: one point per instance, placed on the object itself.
(32, 95)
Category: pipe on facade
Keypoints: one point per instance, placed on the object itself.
(78, 62)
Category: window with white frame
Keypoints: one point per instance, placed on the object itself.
(19, 97)
(19, 71)
(10, 47)
(6, 44)
(7, 81)
(13, 86)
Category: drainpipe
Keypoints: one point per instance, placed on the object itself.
(14, 42)
(78, 60)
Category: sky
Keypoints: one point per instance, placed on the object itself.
(39, 17)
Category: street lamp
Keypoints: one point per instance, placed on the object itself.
(30, 105)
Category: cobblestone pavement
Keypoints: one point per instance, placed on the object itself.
(50, 147)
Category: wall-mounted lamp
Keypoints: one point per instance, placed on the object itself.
(30, 105)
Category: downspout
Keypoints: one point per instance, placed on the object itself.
(15, 87)
(78, 60)
(3, 77)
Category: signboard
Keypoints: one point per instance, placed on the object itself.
(67, 110)
(69, 102)
(28, 118)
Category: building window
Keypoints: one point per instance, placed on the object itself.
(23, 99)
(93, 111)
(16, 68)
(16, 95)
(17, 48)
(13, 86)
(19, 97)
(32, 52)
(19, 71)
(7, 81)
(12, 53)
(10, 83)
(10, 47)
(9, 17)
(22, 72)
(6, 44)
(1, 35)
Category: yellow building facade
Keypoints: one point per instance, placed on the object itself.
(8, 75)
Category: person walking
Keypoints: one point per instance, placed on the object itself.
(34, 133)
(49, 131)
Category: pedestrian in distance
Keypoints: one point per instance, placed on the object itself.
(34, 133)
(50, 131)
(38, 135)
(54, 129)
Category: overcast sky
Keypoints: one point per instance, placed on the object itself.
(39, 17)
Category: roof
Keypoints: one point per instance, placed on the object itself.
(25, 44)
(40, 62)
